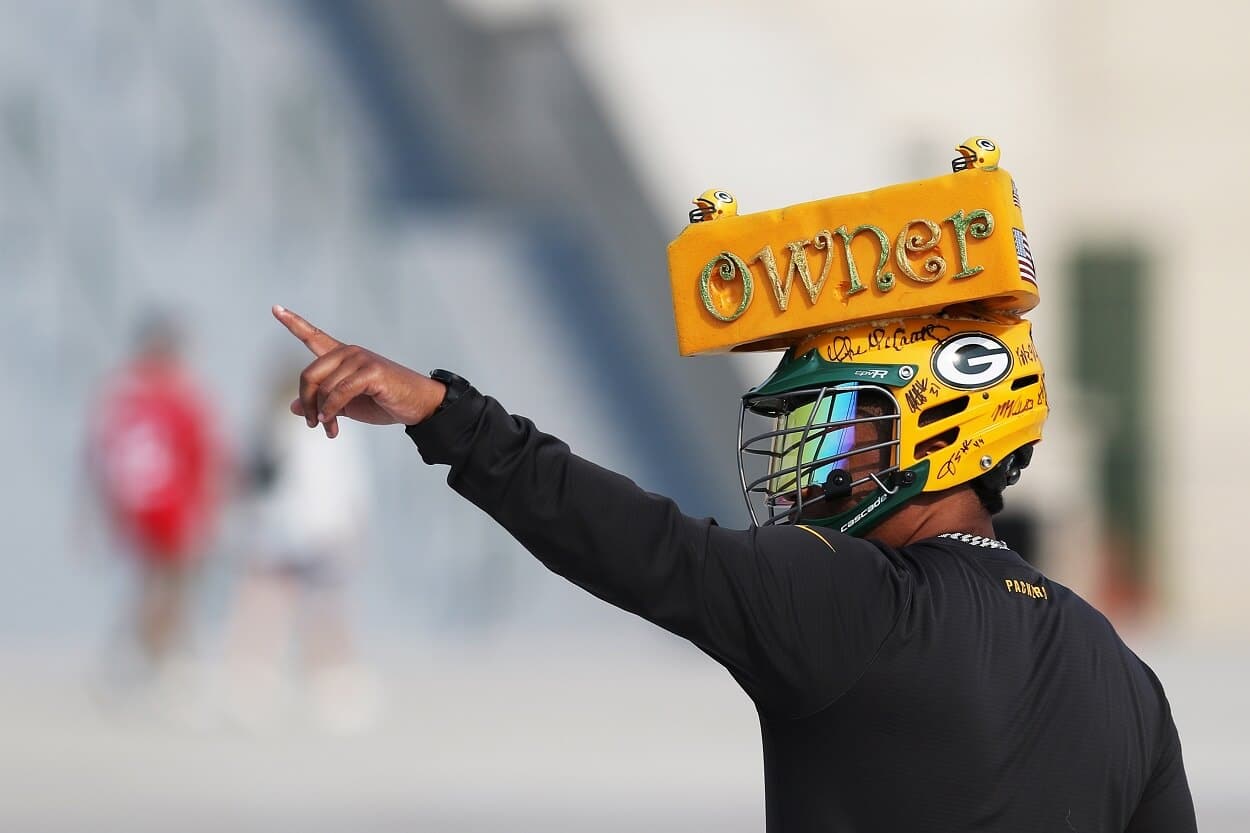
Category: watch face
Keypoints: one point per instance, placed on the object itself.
(448, 376)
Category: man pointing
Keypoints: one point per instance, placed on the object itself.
(928, 679)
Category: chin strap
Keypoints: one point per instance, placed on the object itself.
(838, 483)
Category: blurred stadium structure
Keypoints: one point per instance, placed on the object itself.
(488, 185)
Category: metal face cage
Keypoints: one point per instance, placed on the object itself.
(812, 452)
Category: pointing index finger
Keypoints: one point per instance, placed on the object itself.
(314, 339)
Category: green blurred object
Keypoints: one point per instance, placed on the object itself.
(1110, 314)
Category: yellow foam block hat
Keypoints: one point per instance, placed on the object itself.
(764, 281)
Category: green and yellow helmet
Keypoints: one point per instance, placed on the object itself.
(976, 152)
(854, 422)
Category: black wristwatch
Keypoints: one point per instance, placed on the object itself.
(457, 386)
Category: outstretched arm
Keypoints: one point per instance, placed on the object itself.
(793, 613)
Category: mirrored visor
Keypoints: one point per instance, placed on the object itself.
(809, 441)
(793, 444)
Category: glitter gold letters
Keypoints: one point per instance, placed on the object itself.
(885, 280)
(798, 263)
(935, 265)
(731, 267)
(980, 231)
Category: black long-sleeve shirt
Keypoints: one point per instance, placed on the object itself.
(945, 686)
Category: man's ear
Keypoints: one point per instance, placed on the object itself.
(926, 447)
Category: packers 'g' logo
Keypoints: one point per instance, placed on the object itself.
(971, 361)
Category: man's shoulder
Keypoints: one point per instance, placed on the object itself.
(820, 551)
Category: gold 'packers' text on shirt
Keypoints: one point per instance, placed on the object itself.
(916, 238)
(1024, 588)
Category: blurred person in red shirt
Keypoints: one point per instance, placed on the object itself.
(157, 469)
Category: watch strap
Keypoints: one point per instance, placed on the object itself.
(457, 386)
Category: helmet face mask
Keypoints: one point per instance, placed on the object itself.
(832, 439)
(820, 450)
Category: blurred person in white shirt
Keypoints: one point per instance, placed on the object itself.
(305, 542)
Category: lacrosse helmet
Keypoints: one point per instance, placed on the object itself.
(856, 421)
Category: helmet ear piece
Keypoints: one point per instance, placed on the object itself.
(1024, 456)
(1007, 472)
(1012, 470)
(1016, 462)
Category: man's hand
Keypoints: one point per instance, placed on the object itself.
(356, 383)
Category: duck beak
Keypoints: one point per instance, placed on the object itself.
(703, 210)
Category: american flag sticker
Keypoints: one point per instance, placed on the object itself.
(1015, 194)
(1025, 257)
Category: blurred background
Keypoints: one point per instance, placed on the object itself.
(489, 185)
